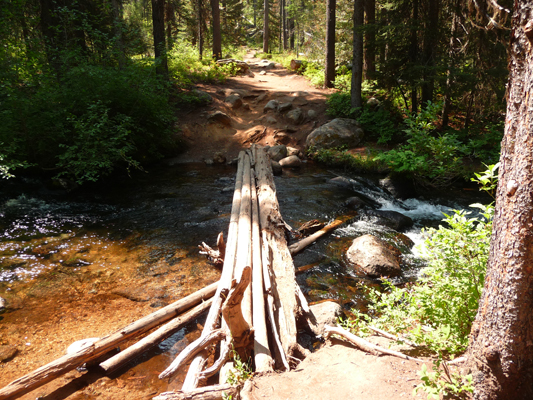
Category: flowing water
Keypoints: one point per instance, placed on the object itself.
(138, 239)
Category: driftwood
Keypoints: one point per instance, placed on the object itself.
(363, 344)
(215, 256)
(390, 336)
(217, 392)
(68, 362)
(154, 338)
(212, 320)
(295, 248)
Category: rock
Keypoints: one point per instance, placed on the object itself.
(262, 73)
(240, 66)
(277, 153)
(290, 162)
(311, 114)
(325, 313)
(271, 120)
(209, 161)
(374, 256)
(296, 65)
(219, 116)
(373, 102)
(7, 352)
(276, 168)
(285, 106)
(354, 203)
(245, 106)
(296, 116)
(336, 133)
(219, 158)
(261, 97)
(291, 151)
(3, 305)
(234, 101)
(204, 97)
(399, 186)
(391, 219)
(272, 105)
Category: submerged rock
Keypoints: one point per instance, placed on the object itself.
(391, 219)
(7, 352)
(399, 186)
(374, 256)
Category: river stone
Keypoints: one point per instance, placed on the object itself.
(391, 219)
(234, 101)
(296, 116)
(311, 114)
(374, 256)
(276, 168)
(373, 102)
(219, 116)
(354, 203)
(219, 158)
(271, 120)
(290, 162)
(336, 133)
(272, 105)
(7, 352)
(291, 151)
(325, 313)
(3, 305)
(282, 138)
(261, 97)
(399, 186)
(277, 153)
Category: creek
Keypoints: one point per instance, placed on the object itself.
(137, 238)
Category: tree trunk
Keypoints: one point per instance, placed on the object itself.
(430, 44)
(451, 65)
(217, 35)
(330, 44)
(501, 343)
(200, 30)
(413, 56)
(357, 64)
(158, 18)
(370, 39)
(266, 31)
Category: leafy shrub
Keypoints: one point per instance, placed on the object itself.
(340, 106)
(341, 158)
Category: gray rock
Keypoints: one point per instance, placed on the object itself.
(296, 116)
(291, 151)
(220, 117)
(374, 256)
(262, 73)
(325, 313)
(373, 102)
(312, 114)
(272, 105)
(282, 138)
(276, 168)
(209, 161)
(399, 186)
(7, 352)
(234, 101)
(271, 120)
(290, 162)
(390, 219)
(277, 153)
(354, 203)
(336, 133)
(261, 97)
(285, 106)
(219, 158)
(204, 97)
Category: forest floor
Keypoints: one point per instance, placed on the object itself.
(41, 330)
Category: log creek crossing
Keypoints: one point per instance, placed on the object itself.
(147, 239)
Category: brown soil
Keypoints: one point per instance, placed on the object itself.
(45, 317)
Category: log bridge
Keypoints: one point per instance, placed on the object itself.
(253, 308)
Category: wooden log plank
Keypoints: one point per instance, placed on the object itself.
(262, 355)
(191, 380)
(216, 392)
(68, 362)
(154, 338)
(295, 248)
(284, 282)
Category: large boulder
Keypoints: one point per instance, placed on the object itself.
(336, 133)
(220, 117)
(374, 256)
(290, 162)
(295, 116)
(325, 313)
(390, 219)
(277, 153)
(399, 186)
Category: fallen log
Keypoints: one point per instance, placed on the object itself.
(64, 364)
(215, 256)
(154, 338)
(216, 392)
(390, 336)
(191, 380)
(295, 248)
(363, 344)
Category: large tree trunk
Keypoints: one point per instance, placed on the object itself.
(158, 18)
(217, 35)
(370, 39)
(501, 343)
(413, 55)
(357, 65)
(430, 44)
(266, 31)
(330, 44)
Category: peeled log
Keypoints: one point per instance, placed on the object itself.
(295, 248)
(67, 363)
(217, 392)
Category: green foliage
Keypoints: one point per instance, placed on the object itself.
(341, 158)
(485, 144)
(340, 106)
(240, 372)
(488, 180)
(443, 382)
(438, 310)
(432, 159)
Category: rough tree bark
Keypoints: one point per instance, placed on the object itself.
(370, 39)
(357, 66)
(501, 343)
(158, 18)
(330, 43)
(430, 43)
(217, 35)
(266, 30)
